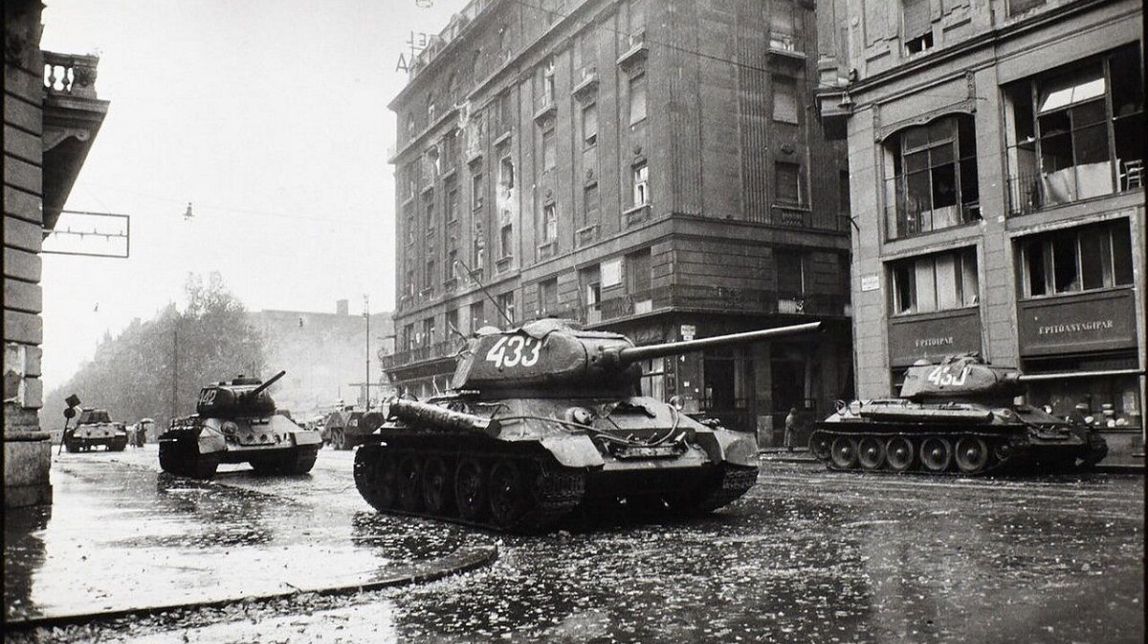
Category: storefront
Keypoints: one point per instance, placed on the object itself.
(931, 337)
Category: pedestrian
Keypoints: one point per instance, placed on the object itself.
(790, 428)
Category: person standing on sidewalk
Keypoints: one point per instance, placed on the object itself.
(790, 428)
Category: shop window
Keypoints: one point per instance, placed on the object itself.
(654, 378)
(637, 98)
(936, 282)
(787, 182)
(506, 304)
(1076, 134)
(934, 183)
(1080, 259)
(640, 178)
(549, 222)
(1106, 401)
(784, 99)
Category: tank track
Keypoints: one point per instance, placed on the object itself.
(503, 489)
(735, 482)
(924, 452)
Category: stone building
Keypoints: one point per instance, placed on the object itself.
(654, 168)
(325, 355)
(996, 150)
(51, 118)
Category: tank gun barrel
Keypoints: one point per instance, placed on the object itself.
(270, 381)
(630, 355)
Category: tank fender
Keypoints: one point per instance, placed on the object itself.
(211, 439)
(731, 447)
(573, 451)
(283, 425)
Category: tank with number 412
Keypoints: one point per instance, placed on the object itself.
(954, 417)
(236, 421)
(547, 420)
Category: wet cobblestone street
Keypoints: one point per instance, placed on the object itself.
(807, 555)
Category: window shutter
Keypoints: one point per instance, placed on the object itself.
(916, 16)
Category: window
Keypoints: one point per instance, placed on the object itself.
(590, 124)
(1080, 259)
(787, 178)
(478, 251)
(1076, 134)
(506, 241)
(783, 18)
(934, 177)
(590, 204)
(548, 82)
(638, 272)
(429, 275)
(428, 217)
(433, 163)
(549, 154)
(428, 332)
(409, 211)
(476, 191)
(918, 31)
(641, 183)
(505, 112)
(451, 327)
(1017, 7)
(549, 222)
(637, 98)
(843, 192)
(654, 378)
(451, 265)
(548, 295)
(409, 337)
(410, 282)
(477, 316)
(784, 99)
(506, 303)
(936, 282)
(451, 200)
(410, 179)
(590, 282)
(790, 272)
(506, 173)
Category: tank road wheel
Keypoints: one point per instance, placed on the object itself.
(972, 454)
(301, 462)
(409, 484)
(844, 454)
(871, 453)
(470, 490)
(821, 445)
(436, 486)
(936, 454)
(509, 494)
(899, 454)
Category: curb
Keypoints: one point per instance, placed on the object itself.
(459, 561)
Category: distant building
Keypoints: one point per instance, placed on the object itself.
(997, 158)
(325, 355)
(646, 167)
(51, 118)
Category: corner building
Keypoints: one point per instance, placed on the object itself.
(652, 168)
(997, 157)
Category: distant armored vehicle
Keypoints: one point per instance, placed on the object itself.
(95, 428)
(344, 428)
(545, 420)
(236, 422)
(956, 416)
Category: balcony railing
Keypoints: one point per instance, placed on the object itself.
(1031, 190)
(438, 350)
(70, 74)
(905, 216)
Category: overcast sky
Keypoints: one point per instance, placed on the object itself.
(270, 117)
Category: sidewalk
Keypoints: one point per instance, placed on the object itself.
(125, 539)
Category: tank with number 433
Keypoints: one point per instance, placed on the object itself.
(958, 416)
(547, 420)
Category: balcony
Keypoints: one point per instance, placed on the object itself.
(906, 216)
(1031, 190)
(587, 87)
(72, 119)
(437, 351)
(790, 216)
(712, 299)
(636, 51)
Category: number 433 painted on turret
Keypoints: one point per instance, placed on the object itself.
(513, 351)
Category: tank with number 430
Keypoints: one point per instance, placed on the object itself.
(958, 416)
(547, 420)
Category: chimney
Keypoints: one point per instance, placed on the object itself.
(341, 307)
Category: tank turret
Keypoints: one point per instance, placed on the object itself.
(238, 397)
(547, 421)
(554, 356)
(962, 377)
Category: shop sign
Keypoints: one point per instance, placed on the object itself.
(934, 336)
(688, 331)
(1078, 323)
(870, 283)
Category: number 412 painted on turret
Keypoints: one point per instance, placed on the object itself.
(514, 351)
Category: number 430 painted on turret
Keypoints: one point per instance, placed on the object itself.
(514, 351)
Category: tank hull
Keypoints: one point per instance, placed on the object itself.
(85, 438)
(966, 440)
(527, 480)
(195, 447)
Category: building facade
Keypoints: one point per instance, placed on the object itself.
(996, 150)
(653, 168)
(51, 118)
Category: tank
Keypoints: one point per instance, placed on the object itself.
(345, 428)
(95, 428)
(236, 421)
(545, 421)
(955, 417)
